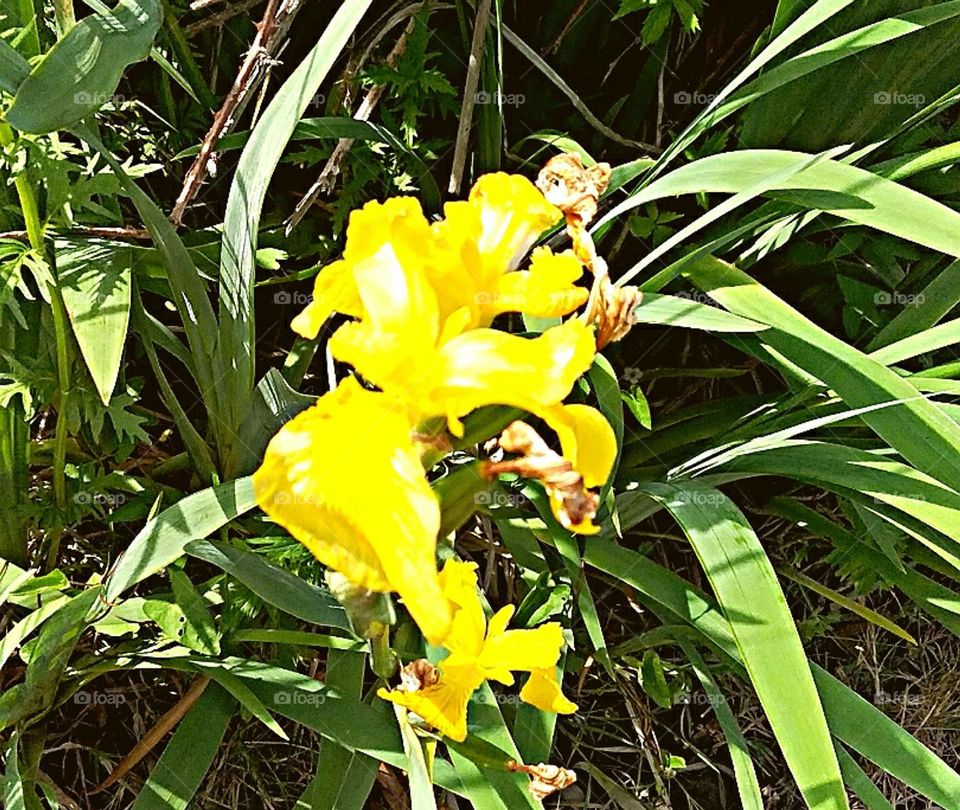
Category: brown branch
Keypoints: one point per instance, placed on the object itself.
(469, 95)
(155, 734)
(96, 232)
(325, 182)
(220, 18)
(271, 31)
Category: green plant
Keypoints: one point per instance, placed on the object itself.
(791, 374)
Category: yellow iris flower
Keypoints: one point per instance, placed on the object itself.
(480, 651)
(468, 257)
(345, 477)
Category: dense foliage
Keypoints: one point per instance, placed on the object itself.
(312, 385)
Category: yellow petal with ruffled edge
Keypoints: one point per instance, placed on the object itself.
(488, 367)
(513, 213)
(521, 651)
(444, 704)
(393, 344)
(586, 439)
(458, 581)
(542, 690)
(396, 228)
(547, 290)
(345, 479)
(488, 234)
(334, 290)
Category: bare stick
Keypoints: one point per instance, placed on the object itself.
(325, 182)
(469, 96)
(270, 33)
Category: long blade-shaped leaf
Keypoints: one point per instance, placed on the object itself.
(854, 721)
(244, 204)
(917, 428)
(746, 587)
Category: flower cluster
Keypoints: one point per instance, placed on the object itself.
(346, 477)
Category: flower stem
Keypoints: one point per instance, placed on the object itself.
(34, 227)
(64, 14)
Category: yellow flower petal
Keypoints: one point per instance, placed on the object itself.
(542, 690)
(393, 343)
(458, 581)
(521, 650)
(443, 705)
(345, 479)
(334, 290)
(586, 439)
(488, 367)
(373, 229)
(485, 237)
(547, 290)
(513, 213)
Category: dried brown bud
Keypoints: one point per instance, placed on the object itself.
(576, 191)
(537, 461)
(418, 675)
(572, 187)
(617, 315)
(545, 779)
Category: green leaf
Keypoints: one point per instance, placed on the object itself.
(854, 721)
(51, 653)
(682, 310)
(13, 68)
(242, 219)
(13, 795)
(843, 190)
(94, 279)
(345, 673)
(418, 776)
(200, 632)
(81, 72)
(751, 598)
(654, 680)
(190, 292)
(930, 596)
(860, 783)
(846, 602)
(185, 761)
(275, 586)
(916, 427)
(164, 538)
(747, 785)
(19, 632)
(274, 404)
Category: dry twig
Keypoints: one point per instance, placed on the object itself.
(271, 32)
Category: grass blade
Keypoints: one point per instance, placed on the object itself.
(763, 628)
